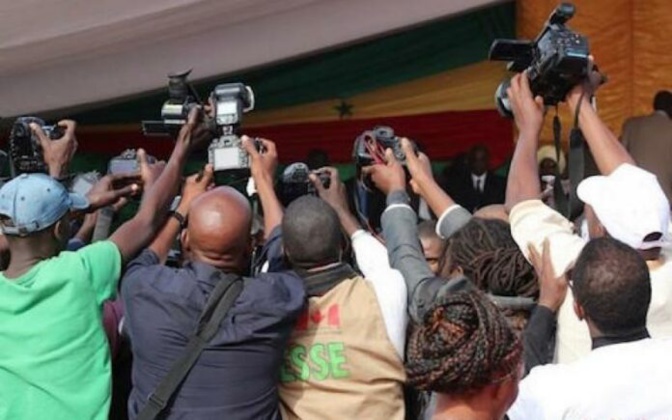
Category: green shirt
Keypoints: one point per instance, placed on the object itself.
(54, 355)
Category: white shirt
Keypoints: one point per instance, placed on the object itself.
(388, 284)
(478, 181)
(629, 381)
(531, 223)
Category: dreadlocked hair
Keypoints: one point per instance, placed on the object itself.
(463, 344)
(488, 255)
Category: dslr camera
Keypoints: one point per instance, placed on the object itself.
(230, 100)
(296, 183)
(126, 163)
(556, 61)
(370, 146)
(25, 151)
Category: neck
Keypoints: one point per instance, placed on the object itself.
(457, 408)
(600, 339)
(21, 262)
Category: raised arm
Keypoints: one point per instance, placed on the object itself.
(138, 232)
(262, 167)
(452, 216)
(336, 196)
(609, 153)
(399, 223)
(194, 186)
(523, 182)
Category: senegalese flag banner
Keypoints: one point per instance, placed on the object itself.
(431, 83)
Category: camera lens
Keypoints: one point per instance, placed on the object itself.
(502, 100)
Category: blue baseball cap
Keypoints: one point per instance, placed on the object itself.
(33, 202)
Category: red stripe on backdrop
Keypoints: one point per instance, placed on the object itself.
(442, 135)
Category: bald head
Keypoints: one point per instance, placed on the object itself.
(219, 226)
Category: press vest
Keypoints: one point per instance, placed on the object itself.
(340, 363)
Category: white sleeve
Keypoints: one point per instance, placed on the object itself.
(532, 222)
(388, 284)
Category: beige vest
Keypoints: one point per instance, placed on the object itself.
(340, 363)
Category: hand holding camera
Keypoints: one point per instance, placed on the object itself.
(194, 186)
(330, 188)
(58, 145)
(263, 157)
(528, 111)
(388, 177)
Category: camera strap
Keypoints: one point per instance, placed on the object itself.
(571, 206)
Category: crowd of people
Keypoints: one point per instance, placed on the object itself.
(497, 307)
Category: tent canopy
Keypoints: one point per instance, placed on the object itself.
(68, 53)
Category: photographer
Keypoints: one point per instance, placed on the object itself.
(235, 376)
(625, 203)
(54, 357)
(352, 333)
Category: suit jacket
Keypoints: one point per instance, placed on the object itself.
(461, 189)
(649, 141)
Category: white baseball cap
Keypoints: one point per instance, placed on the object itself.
(630, 204)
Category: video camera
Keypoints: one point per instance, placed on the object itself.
(230, 101)
(25, 150)
(296, 183)
(556, 61)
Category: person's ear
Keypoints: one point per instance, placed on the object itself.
(457, 271)
(578, 310)
(184, 241)
(60, 230)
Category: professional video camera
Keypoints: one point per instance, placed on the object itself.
(25, 151)
(296, 183)
(230, 101)
(370, 146)
(556, 61)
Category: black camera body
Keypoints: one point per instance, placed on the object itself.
(296, 182)
(230, 100)
(556, 61)
(370, 146)
(25, 151)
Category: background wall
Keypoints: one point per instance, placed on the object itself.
(630, 42)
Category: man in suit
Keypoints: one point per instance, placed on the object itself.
(477, 187)
(649, 140)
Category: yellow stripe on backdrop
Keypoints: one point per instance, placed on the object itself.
(631, 44)
(464, 89)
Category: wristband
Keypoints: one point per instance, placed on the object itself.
(179, 217)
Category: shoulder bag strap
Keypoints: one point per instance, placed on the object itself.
(220, 301)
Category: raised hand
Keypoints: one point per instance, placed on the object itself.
(388, 177)
(528, 111)
(57, 153)
(552, 288)
(113, 188)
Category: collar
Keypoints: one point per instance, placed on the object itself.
(320, 282)
(205, 273)
(606, 340)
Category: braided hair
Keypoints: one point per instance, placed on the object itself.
(488, 255)
(463, 344)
